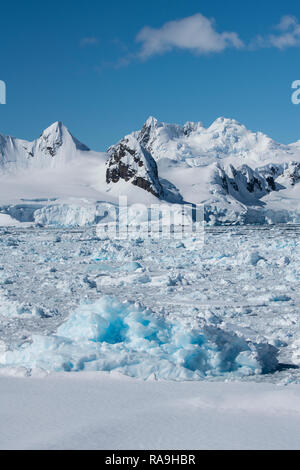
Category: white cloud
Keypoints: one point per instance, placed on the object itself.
(289, 33)
(195, 33)
(89, 41)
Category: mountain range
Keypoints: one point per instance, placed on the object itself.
(238, 175)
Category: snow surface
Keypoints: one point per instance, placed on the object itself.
(107, 411)
(6, 220)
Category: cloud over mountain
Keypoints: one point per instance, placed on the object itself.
(195, 33)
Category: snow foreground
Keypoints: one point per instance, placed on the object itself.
(227, 308)
(109, 411)
(109, 335)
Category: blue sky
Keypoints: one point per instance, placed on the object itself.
(81, 63)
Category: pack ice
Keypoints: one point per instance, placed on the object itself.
(108, 335)
(168, 309)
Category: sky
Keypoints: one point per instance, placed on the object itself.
(103, 67)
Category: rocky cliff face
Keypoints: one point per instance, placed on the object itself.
(130, 161)
(293, 172)
(245, 184)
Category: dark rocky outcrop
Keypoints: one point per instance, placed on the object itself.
(294, 172)
(130, 161)
(244, 183)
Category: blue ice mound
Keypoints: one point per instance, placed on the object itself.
(126, 337)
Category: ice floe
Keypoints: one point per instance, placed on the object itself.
(110, 335)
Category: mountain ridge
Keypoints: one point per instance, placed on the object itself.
(239, 175)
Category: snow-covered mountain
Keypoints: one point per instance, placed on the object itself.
(238, 175)
(198, 146)
(55, 147)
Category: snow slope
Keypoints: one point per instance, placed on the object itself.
(107, 411)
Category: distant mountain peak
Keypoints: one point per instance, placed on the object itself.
(55, 146)
(57, 132)
(226, 120)
(151, 121)
(56, 126)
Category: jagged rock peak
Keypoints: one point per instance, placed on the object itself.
(56, 127)
(152, 121)
(244, 183)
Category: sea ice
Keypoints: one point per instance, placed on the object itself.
(109, 335)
